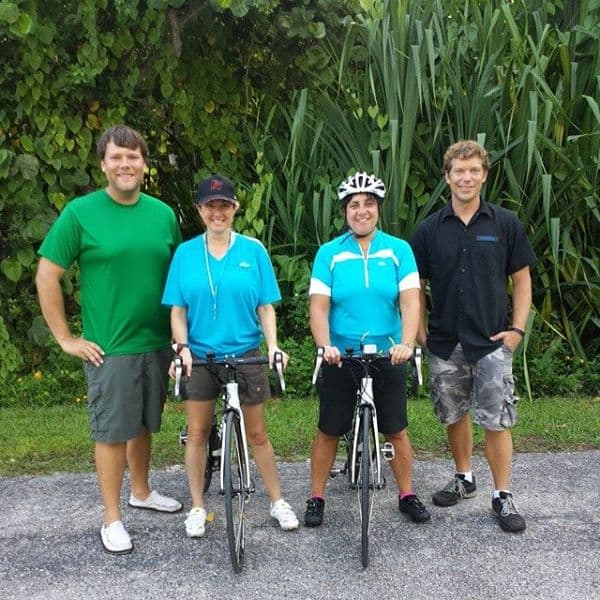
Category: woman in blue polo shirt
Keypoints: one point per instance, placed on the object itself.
(364, 288)
(221, 288)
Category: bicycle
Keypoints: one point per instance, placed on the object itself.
(236, 484)
(363, 449)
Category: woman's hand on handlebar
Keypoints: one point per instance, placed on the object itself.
(284, 357)
(186, 357)
(401, 353)
(332, 355)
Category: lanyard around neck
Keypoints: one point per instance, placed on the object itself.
(214, 285)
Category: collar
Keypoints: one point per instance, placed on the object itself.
(484, 209)
(349, 236)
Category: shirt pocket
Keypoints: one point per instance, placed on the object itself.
(487, 255)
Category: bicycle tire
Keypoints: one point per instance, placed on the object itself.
(234, 490)
(366, 486)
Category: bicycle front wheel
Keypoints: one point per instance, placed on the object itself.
(366, 484)
(234, 489)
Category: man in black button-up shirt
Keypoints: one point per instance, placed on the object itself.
(467, 251)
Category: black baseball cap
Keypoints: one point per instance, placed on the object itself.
(215, 187)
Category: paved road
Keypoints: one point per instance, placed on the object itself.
(50, 545)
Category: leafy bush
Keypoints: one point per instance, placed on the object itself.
(59, 381)
(554, 370)
(300, 368)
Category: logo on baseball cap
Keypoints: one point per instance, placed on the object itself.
(215, 187)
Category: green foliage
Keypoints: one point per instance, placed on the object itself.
(184, 73)
(553, 369)
(10, 358)
(216, 86)
(415, 76)
(58, 381)
(298, 375)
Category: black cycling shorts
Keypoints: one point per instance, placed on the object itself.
(337, 388)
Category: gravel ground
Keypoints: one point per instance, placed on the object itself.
(49, 535)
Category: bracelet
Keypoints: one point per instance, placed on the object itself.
(179, 347)
(517, 330)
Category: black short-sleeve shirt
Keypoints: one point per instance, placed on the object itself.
(468, 268)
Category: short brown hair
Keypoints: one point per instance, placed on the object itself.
(463, 150)
(124, 136)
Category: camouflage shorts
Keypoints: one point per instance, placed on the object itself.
(487, 386)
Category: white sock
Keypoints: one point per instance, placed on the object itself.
(468, 475)
(496, 493)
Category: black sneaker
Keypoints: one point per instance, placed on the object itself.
(315, 507)
(456, 490)
(507, 513)
(414, 508)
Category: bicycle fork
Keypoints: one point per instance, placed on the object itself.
(386, 450)
(233, 403)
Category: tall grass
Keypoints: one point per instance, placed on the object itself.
(411, 78)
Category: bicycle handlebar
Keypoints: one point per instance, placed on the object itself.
(349, 356)
(364, 357)
(231, 362)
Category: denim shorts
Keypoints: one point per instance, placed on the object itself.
(206, 383)
(487, 386)
(126, 394)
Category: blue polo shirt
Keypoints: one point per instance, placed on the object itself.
(364, 290)
(243, 279)
(468, 267)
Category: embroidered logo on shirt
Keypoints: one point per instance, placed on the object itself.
(487, 238)
(245, 265)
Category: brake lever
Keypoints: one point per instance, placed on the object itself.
(278, 362)
(178, 374)
(318, 363)
(418, 360)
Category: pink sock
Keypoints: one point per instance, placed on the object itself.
(406, 494)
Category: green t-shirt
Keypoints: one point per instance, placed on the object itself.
(123, 254)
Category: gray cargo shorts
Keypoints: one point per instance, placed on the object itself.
(126, 394)
(487, 386)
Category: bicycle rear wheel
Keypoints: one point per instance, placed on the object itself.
(366, 484)
(234, 489)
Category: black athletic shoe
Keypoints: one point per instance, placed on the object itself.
(456, 490)
(507, 513)
(315, 507)
(414, 508)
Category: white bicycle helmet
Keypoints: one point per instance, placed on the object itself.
(361, 183)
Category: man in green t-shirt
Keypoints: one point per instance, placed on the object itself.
(123, 241)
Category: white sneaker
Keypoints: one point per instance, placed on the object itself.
(115, 538)
(283, 512)
(195, 522)
(156, 501)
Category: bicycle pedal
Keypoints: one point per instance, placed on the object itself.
(183, 437)
(387, 451)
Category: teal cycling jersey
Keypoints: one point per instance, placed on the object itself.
(364, 288)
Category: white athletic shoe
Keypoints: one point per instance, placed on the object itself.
(283, 512)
